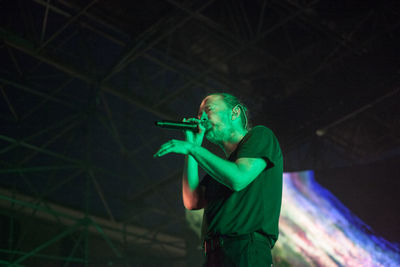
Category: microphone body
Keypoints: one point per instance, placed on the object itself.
(178, 125)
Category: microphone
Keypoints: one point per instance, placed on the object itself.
(178, 125)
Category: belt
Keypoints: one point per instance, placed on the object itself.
(217, 242)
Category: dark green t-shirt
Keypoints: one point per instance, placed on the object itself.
(255, 208)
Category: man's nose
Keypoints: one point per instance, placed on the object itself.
(204, 116)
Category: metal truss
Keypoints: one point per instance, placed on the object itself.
(107, 229)
(113, 233)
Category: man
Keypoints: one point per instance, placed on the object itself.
(241, 195)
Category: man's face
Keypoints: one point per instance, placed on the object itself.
(219, 118)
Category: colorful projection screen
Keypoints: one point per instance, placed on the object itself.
(316, 229)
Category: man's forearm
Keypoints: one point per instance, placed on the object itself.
(192, 172)
(190, 184)
(224, 171)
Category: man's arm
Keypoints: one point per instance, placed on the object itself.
(193, 195)
(235, 175)
(192, 192)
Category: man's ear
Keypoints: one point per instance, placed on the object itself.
(236, 112)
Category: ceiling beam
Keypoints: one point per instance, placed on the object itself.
(119, 232)
(69, 22)
(323, 130)
(28, 48)
(244, 46)
(122, 43)
(136, 50)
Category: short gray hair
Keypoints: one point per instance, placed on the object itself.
(232, 101)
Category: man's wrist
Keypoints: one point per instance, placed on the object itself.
(193, 148)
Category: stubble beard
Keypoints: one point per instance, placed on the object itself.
(218, 136)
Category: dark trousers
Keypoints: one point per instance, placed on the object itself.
(252, 251)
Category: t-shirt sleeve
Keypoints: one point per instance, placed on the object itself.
(260, 143)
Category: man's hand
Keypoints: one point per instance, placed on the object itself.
(174, 146)
(196, 138)
(192, 139)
